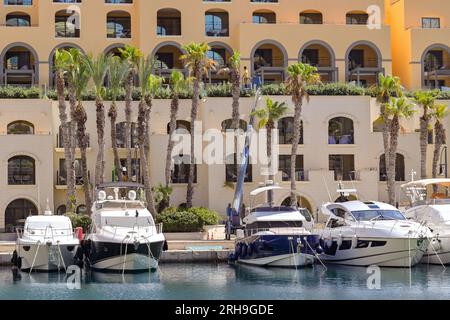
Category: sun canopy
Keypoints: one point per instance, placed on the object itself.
(427, 182)
(264, 189)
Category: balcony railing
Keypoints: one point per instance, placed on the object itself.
(300, 175)
(343, 175)
(60, 141)
(61, 178)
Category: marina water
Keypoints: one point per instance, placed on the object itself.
(222, 281)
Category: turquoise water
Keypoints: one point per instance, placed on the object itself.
(206, 282)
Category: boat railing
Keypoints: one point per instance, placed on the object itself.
(159, 228)
(48, 232)
(289, 230)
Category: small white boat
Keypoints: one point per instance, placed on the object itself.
(371, 233)
(47, 243)
(432, 208)
(124, 237)
(276, 236)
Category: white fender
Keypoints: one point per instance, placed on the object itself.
(339, 240)
(436, 244)
(329, 242)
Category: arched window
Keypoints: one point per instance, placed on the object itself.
(168, 22)
(286, 131)
(399, 168)
(118, 24)
(302, 202)
(81, 209)
(228, 125)
(357, 17)
(216, 23)
(21, 171)
(20, 66)
(180, 169)
(269, 62)
(18, 19)
(120, 135)
(66, 24)
(340, 131)
(264, 16)
(311, 17)
(61, 210)
(20, 127)
(16, 213)
(183, 127)
(232, 167)
(436, 67)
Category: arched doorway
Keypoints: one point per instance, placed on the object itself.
(302, 202)
(16, 213)
(269, 62)
(436, 67)
(167, 58)
(20, 65)
(320, 55)
(363, 63)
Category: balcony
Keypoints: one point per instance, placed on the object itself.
(61, 179)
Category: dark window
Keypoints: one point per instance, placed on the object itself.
(232, 168)
(343, 166)
(356, 58)
(340, 131)
(265, 1)
(118, 1)
(345, 245)
(18, 60)
(61, 210)
(378, 243)
(399, 168)
(228, 125)
(357, 18)
(311, 56)
(284, 165)
(183, 127)
(120, 135)
(135, 170)
(180, 171)
(286, 131)
(18, 20)
(434, 60)
(118, 26)
(431, 23)
(263, 58)
(329, 250)
(168, 23)
(81, 209)
(216, 24)
(18, 2)
(362, 244)
(164, 60)
(62, 173)
(20, 127)
(264, 17)
(311, 18)
(67, 1)
(65, 25)
(61, 139)
(21, 171)
(16, 213)
(218, 55)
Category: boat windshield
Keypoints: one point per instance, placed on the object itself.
(373, 215)
(120, 205)
(127, 222)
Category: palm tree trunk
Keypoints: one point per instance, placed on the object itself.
(423, 147)
(439, 142)
(172, 127)
(236, 93)
(393, 138)
(194, 111)
(81, 118)
(269, 128)
(142, 126)
(65, 135)
(112, 114)
(128, 113)
(295, 140)
(71, 179)
(100, 163)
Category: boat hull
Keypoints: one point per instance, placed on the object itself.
(390, 252)
(45, 257)
(288, 251)
(120, 257)
(438, 251)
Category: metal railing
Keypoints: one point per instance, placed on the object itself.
(66, 232)
(61, 179)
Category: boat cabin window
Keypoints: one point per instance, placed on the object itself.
(335, 223)
(341, 213)
(274, 224)
(306, 214)
(373, 215)
(126, 222)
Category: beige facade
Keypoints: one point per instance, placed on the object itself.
(316, 176)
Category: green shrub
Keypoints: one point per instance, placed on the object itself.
(186, 220)
(336, 89)
(179, 221)
(79, 220)
(12, 92)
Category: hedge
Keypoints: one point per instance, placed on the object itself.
(79, 220)
(209, 90)
(186, 220)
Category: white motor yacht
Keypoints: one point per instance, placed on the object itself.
(276, 236)
(124, 236)
(433, 208)
(47, 243)
(371, 233)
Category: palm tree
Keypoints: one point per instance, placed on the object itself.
(426, 100)
(440, 111)
(118, 70)
(61, 60)
(132, 56)
(177, 84)
(197, 61)
(299, 75)
(268, 116)
(395, 110)
(97, 70)
(146, 81)
(79, 80)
